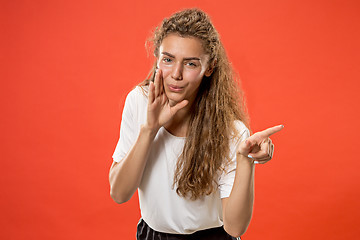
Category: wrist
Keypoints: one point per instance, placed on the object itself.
(242, 159)
(148, 130)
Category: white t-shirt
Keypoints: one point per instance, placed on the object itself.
(161, 207)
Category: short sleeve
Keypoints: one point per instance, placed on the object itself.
(228, 176)
(129, 128)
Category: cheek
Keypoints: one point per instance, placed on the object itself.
(194, 75)
(166, 69)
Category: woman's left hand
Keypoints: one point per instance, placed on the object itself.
(259, 147)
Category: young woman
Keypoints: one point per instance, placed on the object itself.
(184, 139)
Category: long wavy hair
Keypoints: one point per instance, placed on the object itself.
(219, 102)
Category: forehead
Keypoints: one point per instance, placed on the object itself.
(182, 46)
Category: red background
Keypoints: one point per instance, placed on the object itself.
(66, 67)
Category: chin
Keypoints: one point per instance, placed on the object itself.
(173, 102)
(175, 99)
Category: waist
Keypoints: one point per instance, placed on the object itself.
(145, 232)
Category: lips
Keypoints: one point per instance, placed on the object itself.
(175, 88)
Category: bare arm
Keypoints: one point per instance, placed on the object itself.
(125, 176)
(238, 207)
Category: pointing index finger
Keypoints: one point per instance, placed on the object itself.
(270, 131)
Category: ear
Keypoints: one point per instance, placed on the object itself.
(210, 68)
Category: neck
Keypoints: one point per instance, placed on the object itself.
(178, 126)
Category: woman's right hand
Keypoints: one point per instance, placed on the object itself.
(159, 111)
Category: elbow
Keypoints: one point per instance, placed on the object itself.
(235, 231)
(118, 198)
(119, 194)
(116, 192)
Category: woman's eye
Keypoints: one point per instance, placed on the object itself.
(191, 64)
(167, 60)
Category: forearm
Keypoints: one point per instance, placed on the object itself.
(239, 205)
(125, 176)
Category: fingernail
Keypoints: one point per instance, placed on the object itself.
(249, 156)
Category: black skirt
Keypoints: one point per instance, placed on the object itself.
(144, 232)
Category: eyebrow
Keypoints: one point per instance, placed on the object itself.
(189, 58)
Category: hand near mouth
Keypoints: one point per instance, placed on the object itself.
(159, 111)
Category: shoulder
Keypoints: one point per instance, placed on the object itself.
(137, 97)
(241, 131)
(138, 93)
(136, 104)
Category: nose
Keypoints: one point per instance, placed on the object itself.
(177, 72)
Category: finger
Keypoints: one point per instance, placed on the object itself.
(151, 92)
(264, 150)
(270, 131)
(262, 161)
(157, 83)
(252, 144)
(258, 149)
(248, 144)
(244, 148)
(161, 87)
(261, 155)
(259, 161)
(179, 106)
(270, 147)
(163, 98)
(263, 158)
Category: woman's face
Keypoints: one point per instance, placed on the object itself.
(183, 64)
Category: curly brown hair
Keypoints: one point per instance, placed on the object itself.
(219, 102)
